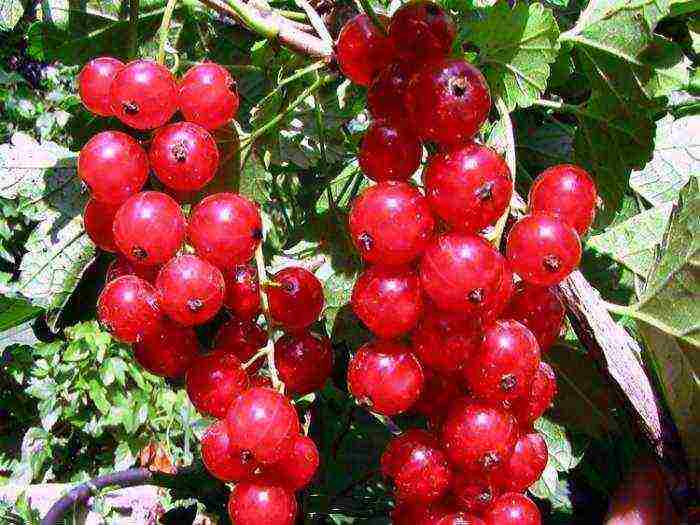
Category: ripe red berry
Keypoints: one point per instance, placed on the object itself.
(225, 229)
(409, 513)
(184, 156)
(421, 473)
(122, 266)
(98, 218)
(208, 95)
(222, 458)
(169, 351)
(399, 448)
(391, 223)
(143, 94)
(459, 518)
(388, 300)
(468, 187)
(128, 307)
(503, 296)
(304, 361)
(94, 82)
(389, 152)
(386, 95)
(477, 437)
(438, 393)
(113, 166)
(296, 298)
(385, 377)
(297, 467)
(446, 341)
(542, 249)
(422, 32)
(513, 509)
(242, 338)
(542, 391)
(149, 228)
(567, 192)
(261, 502)
(473, 493)
(213, 382)
(525, 466)
(362, 49)
(540, 310)
(242, 291)
(449, 100)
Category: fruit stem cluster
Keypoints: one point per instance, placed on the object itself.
(164, 29)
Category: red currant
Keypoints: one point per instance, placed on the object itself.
(398, 449)
(304, 362)
(260, 502)
(503, 296)
(513, 509)
(128, 307)
(525, 466)
(473, 493)
(409, 513)
(542, 249)
(387, 94)
(459, 518)
(438, 393)
(208, 95)
(422, 31)
(122, 266)
(242, 338)
(169, 351)
(242, 291)
(298, 466)
(94, 82)
(362, 49)
(213, 382)
(296, 298)
(98, 218)
(389, 152)
(540, 310)
(542, 391)
(391, 223)
(421, 474)
(113, 166)
(222, 459)
(446, 341)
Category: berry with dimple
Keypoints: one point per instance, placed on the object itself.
(399, 448)
(513, 509)
(459, 518)
(542, 249)
(143, 94)
(222, 458)
(449, 100)
(304, 361)
(525, 466)
(438, 393)
(421, 473)
(297, 467)
(389, 152)
(445, 341)
(468, 187)
(473, 493)
(387, 94)
(225, 229)
(422, 31)
(94, 82)
(391, 223)
(296, 298)
(184, 156)
(191, 289)
(567, 192)
(542, 391)
(149, 228)
(540, 310)
(122, 266)
(169, 351)
(477, 437)
(113, 166)
(98, 218)
(388, 300)
(213, 382)
(259, 501)
(242, 291)
(242, 338)
(128, 307)
(363, 49)
(208, 95)
(386, 377)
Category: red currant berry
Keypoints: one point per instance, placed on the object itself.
(388, 300)
(149, 228)
(391, 223)
(446, 341)
(143, 94)
(113, 166)
(243, 339)
(459, 518)
(128, 307)
(98, 218)
(503, 296)
(122, 266)
(296, 298)
(421, 474)
(389, 152)
(304, 362)
(473, 493)
(259, 502)
(169, 351)
(242, 291)
(422, 31)
(398, 449)
(438, 393)
(525, 466)
(477, 437)
(297, 467)
(386, 95)
(385, 377)
(542, 391)
(449, 100)
(513, 509)
(94, 82)
(363, 49)
(184, 156)
(225, 229)
(542, 249)
(409, 513)
(567, 192)
(540, 310)
(222, 459)
(213, 381)
(208, 95)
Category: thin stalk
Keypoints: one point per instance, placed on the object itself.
(164, 28)
(133, 28)
(316, 22)
(372, 14)
(251, 18)
(264, 303)
(292, 15)
(631, 311)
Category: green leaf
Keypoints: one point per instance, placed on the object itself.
(19, 335)
(14, 312)
(670, 68)
(10, 13)
(350, 182)
(49, 412)
(98, 394)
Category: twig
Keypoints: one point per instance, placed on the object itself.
(264, 303)
(164, 28)
(317, 22)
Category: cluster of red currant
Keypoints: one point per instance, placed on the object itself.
(157, 290)
(476, 332)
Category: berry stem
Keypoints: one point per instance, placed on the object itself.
(509, 145)
(270, 348)
(317, 22)
(164, 28)
(133, 28)
(372, 14)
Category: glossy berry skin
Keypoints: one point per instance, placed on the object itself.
(98, 218)
(513, 509)
(421, 473)
(128, 307)
(242, 291)
(208, 95)
(304, 362)
(389, 152)
(542, 249)
(505, 364)
(468, 187)
(184, 156)
(567, 192)
(260, 502)
(169, 351)
(503, 296)
(222, 458)
(445, 341)
(398, 449)
(385, 377)
(388, 300)
(473, 493)
(391, 223)
(143, 94)
(225, 229)
(94, 82)
(525, 466)
(386, 95)
(542, 391)
(438, 393)
(213, 381)
(409, 513)
(540, 310)
(477, 437)
(149, 228)
(449, 100)
(462, 273)
(242, 338)
(122, 266)
(422, 32)
(297, 467)
(191, 290)
(362, 49)
(459, 518)
(113, 166)
(296, 300)
(263, 422)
